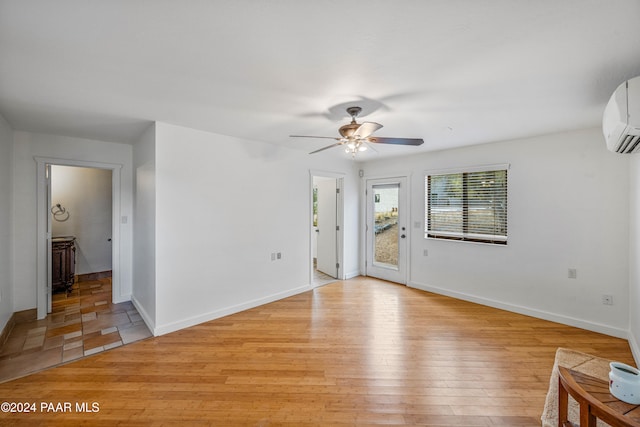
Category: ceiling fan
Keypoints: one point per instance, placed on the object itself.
(356, 136)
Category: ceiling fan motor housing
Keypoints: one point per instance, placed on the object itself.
(347, 130)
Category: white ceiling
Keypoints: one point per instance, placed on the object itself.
(453, 72)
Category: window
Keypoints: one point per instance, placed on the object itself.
(315, 206)
(469, 205)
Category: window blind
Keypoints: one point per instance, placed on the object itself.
(467, 205)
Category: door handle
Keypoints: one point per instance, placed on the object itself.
(403, 236)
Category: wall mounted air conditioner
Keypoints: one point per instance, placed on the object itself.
(621, 120)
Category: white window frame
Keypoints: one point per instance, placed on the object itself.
(464, 237)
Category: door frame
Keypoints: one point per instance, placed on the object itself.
(404, 205)
(43, 272)
(339, 177)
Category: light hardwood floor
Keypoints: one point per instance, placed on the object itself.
(357, 352)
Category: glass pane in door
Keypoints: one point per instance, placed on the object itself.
(385, 211)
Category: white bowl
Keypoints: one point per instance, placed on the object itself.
(624, 382)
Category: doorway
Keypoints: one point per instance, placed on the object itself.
(387, 229)
(81, 225)
(326, 228)
(44, 227)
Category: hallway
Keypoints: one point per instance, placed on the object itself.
(83, 323)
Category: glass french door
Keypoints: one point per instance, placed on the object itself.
(387, 231)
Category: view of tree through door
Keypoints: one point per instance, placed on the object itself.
(386, 229)
(385, 213)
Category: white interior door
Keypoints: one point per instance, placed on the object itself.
(327, 226)
(387, 229)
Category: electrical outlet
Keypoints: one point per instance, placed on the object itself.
(607, 299)
(273, 256)
(279, 255)
(425, 252)
(573, 273)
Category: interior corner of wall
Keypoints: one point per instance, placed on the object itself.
(633, 344)
(148, 320)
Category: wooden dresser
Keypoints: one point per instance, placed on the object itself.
(63, 263)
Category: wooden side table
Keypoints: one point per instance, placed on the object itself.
(63, 263)
(595, 401)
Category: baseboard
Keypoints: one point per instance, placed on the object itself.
(93, 276)
(352, 274)
(17, 317)
(145, 316)
(123, 298)
(195, 320)
(8, 327)
(635, 350)
(540, 314)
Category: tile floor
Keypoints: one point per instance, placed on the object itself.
(83, 323)
(320, 278)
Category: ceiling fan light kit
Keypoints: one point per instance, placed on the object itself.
(356, 136)
(354, 146)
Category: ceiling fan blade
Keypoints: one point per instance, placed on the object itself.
(366, 129)
(310, 136)
(327, 147)
(396, 141)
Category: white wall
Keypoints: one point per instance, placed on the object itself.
(144, 238)
(634, 256)
(26, 146)
(6, 215)
(85, 195)
(222, 206)
(568, 207)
